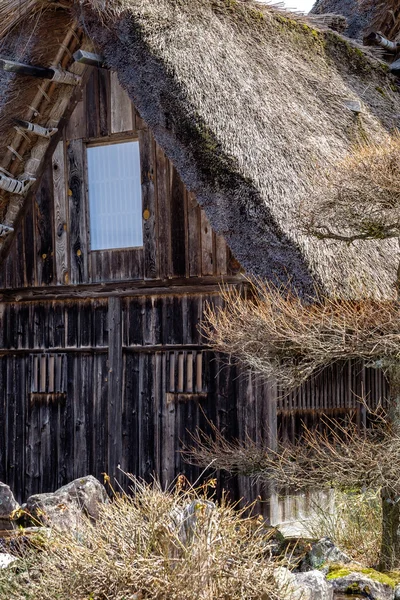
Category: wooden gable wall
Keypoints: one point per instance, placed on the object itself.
(52, 245)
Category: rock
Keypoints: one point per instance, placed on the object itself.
(325, 551)
(315, 582)
(6, 560)
(362, 584)
(66, 507)
(397, 592)
(7, 502)
(185, 521)
(302, 586)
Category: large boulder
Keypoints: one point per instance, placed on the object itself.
(325, 552)
(7, 502)
(302, 586)
(66, 507)
(372, 585)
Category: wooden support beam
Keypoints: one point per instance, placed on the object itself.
(51, 73)
(89, 58)
(46, 132)
(15, 186)
(170, 287)
(11, 66)
(5, 230)
(377, 39)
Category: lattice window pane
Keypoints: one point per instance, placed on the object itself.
(186, 374)
(115, 197)
(48, 374)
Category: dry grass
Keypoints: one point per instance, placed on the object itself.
(279, 335)
(362, 199)
(338, 457)
(144, 547)
(355, 525)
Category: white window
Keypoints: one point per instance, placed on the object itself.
(115, 198)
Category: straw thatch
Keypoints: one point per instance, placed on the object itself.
(364, 15)
(250, 104)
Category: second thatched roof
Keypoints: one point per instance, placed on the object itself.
(252, 106)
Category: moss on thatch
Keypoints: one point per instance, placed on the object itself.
(250, 104)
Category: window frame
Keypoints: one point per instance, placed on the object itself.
(110, 141)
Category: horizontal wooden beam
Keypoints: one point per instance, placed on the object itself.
(46, 132)
(51, 73)
(104, 350)
(89, 58)
(181, 286)
(377, 39)
(12, 66)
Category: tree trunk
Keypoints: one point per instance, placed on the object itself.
(390, 546)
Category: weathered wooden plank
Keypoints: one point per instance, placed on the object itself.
(147, 166)
(115, 376)
(77, 213)
(76, 128)
(221, 254)
(104, 102)
(178, 232)
(121, 107)
(61, 254)
(29, 243)
(92, 105)
(194, 237)
(207, 247)
(164, 213)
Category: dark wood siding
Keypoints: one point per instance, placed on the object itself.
(53, 245)
(117, 409)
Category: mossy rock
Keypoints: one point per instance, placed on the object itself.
(355, 580)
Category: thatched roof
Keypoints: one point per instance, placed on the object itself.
(251, 106)
(364, 15)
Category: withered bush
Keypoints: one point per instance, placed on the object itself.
(279, 335)
(354, 524)
(337, 457)
(136, 551)
(362, 197)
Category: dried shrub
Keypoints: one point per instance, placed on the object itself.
(362, 198)
(279, 335)
(337, 457)
(354, 524)
(136, 551)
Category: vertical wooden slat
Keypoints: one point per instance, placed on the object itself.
(60, 214)
(207, 264)
(121, 107)
(178, 233)
(147, 165)
(77, 213)
(44, 229)
(115, 376)
(164, 213)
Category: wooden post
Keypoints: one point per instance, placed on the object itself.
(272, 399)
(115, 375)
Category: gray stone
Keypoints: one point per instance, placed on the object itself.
(360, 584)
(66, 507)
(302, 586)
(315, 582)
(325, 551)
(6, 560)
(7, 502)
(185, 521)
(397, 592)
